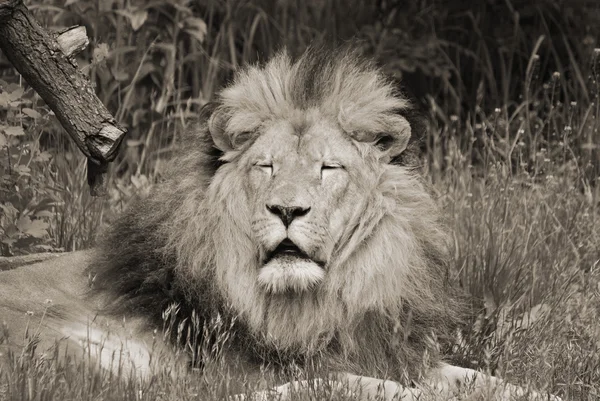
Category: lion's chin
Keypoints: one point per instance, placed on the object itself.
(290, 273)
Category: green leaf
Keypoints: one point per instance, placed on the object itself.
(31, 113)
(9, 211)
(136, 18)
(4, 99)
(43, 157)
(16, 94)
(35, 228)
(9, 241)
(22, 170)
(14, 131)
(120, 75)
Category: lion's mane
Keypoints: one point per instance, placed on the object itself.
(386, 293)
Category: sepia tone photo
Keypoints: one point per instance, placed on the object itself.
(254, 200)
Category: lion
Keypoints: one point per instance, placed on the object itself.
(297, 212)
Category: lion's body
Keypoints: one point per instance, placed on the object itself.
(295, 211)
(51, 303)
(31, 288)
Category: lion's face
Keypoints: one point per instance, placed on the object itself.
(302, 194)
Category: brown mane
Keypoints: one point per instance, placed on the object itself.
(176, 245)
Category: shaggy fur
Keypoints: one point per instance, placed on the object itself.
(384, 297)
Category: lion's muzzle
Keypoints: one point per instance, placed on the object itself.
(287, 268)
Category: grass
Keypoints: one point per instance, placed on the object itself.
(512, 155)
(528, 254)
(526, 239)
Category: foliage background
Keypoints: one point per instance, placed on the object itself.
(510, 89)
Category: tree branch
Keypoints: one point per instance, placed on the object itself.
(44, 61)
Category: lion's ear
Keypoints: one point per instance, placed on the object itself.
(393, 140)
(215, 120)
(222, 138)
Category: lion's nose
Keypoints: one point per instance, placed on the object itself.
(288, 213)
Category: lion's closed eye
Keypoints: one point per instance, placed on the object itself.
(329, 168)
(266, 167)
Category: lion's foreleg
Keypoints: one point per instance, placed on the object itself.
(449, 380)
(358, 387)
(371, 388)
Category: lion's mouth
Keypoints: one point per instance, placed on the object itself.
(289, 268)
(288, 249)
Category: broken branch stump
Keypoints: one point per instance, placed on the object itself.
(45, 62)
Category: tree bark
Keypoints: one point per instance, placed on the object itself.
(44, 61)
(72, 40)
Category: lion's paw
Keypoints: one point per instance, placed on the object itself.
(360, 388)
(510, 392)
(278, 393)
(265, 395)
